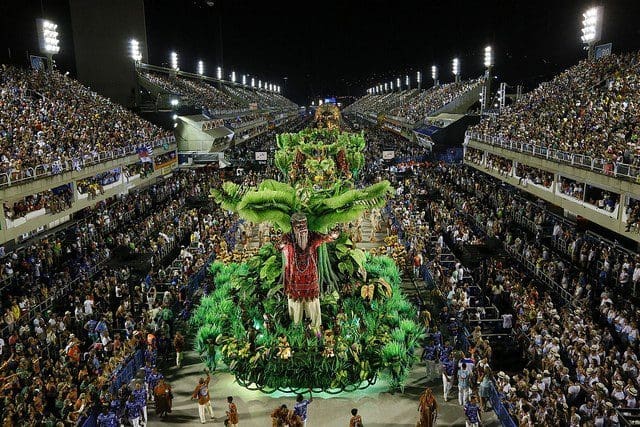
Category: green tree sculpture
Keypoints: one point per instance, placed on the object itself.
(320, 166)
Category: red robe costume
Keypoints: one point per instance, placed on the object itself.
(301, 266)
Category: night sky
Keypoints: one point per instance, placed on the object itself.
(340, 48)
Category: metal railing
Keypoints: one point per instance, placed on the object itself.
(15, 177)
(498, 407)
(596, 164)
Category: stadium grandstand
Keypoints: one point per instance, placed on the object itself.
(244, 249)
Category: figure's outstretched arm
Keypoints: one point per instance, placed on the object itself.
(325, 238)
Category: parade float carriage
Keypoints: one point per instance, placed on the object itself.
(368, 326)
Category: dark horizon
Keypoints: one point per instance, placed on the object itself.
(342, 48)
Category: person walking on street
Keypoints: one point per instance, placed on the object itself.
(301, 407)
(140, 396)
(472, 412)
(428, 408)
(178, 344)
(232, 413)
(204, 400)
(107, 418)
(164, 398)
(356, 420)
(133, 411)
(464, 386)
(279, 416)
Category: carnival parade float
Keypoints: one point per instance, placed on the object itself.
(310, 310)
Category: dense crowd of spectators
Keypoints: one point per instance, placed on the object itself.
(576, 361)
(49, 118)
(588, 109)
(581, 346)
(419, 107)
(59, 359)
(264, 100)
(203, 94)
(52, 201)
(412, 105)
(375, 104)
(199, 94)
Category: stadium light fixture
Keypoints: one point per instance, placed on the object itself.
(455, 68)
(244, 79)
(386, 87)
(591, 27)
(398, 83)
(201, 68)
(48, 38)
(313, 103)
(419, 77)
(233, 77)
(278, 89)
(488, 57)
(391, 85)
(253, 82)
(174, 102)
(259, 84)
(174, 60)
(406, 81)
(134, 50)
(219, 73)
(175, 117)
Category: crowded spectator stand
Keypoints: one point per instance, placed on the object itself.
(94, 349)
(582, 117)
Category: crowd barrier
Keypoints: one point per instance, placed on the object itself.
(123, 375)
(14, 177)
(498, 407)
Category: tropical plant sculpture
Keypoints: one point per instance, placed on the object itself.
(365, 324)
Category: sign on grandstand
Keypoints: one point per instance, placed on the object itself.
(388, 155)
(261, 156)
(253, 106)
(37, 62)
(603, 50)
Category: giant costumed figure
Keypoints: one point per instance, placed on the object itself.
(301, 269)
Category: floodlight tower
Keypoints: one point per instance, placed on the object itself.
(591, 28)
(419, 79)
(134, 51)
(201, 68)
(174, 61)
(253, 82)
(48, 38)
(399, 84)
(455, 69)
(434, 75)
(244, 80)
(233, 77)
(407, 82)
(486, 89)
